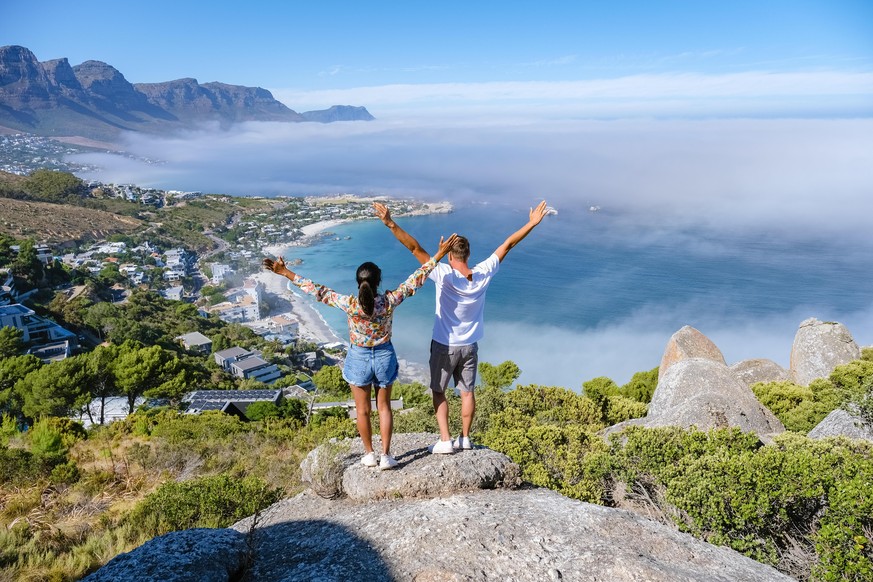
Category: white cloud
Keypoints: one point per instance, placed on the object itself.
(682, 95)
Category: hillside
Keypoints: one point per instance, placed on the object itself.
(56, 223)
(95, 101)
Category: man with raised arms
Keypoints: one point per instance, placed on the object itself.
(459, 320)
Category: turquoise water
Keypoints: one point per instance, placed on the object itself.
(584, 296)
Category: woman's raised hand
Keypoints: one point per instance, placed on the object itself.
(446, 246)
(277, 266)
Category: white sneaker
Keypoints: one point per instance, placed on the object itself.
(371, 459)
(442, 448)
(463, 443)
(387, 462)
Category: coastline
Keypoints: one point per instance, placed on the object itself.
(313, 326)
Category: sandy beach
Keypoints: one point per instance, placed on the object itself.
(312, 325)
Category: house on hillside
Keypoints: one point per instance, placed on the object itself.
(234, 402)
(196, 342)
(247, 365)
(37, 331)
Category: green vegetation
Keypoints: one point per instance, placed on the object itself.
(801, 408)
(71, 500)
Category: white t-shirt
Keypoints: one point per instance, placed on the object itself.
(460, 302)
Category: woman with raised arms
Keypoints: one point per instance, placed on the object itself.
(371, 360)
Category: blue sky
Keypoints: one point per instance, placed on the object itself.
(463, 52)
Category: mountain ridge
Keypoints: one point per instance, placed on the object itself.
(94, 100)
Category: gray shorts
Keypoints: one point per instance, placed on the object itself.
(458, 362)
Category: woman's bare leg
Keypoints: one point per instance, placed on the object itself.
(362, 406)
(386, 416)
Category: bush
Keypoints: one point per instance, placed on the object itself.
(726, 488)
(799, 408)
(641, 386)
(178, 428)
(216, 501)
(261, 410)
(19, 467)
(47, 442)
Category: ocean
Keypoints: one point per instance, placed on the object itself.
(588, 294)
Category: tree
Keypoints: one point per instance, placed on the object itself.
(143, 371)
(102, 317)
(26, 265)
(329, 380)
(10, 342)
(57, 389)
(13, 369)
(101, 364)
(501, 376)
(6, 253)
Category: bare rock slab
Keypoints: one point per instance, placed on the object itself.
(840, 423)
(520, 535)
(333, 470)
(193, 555)
(818, 348)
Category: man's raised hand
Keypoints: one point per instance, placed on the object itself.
(537, 214)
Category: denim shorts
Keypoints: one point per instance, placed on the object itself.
(371, 366)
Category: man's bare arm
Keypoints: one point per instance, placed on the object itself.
(404, 237)
(536, 216)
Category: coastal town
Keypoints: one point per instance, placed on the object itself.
(224, 282)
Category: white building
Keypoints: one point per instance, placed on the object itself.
(36, 329)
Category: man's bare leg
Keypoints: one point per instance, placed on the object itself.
(468, 410)
(441, 409)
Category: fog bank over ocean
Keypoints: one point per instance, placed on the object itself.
(738, 204)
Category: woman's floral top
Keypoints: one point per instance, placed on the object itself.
(368, 331)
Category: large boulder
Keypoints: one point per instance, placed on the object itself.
(520, 535)
(841, 423)
(688, 343)
(705, 394)
(334, 470)
(759, 370)
(819, 347)
(194, 555)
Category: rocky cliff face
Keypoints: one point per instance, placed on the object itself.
(94, 100)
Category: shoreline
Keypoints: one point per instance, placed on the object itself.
(312, 325)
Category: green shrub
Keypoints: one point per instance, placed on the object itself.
(852, 380)
(620, 409)
(564, 458)
(553, 405)
(641, 386)
(799, 408)
(177, 428)
(19, 467)
(65, 473)
(725, 487)
(261, 410)
(216, 501)
(47, 442)
(8, 429)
